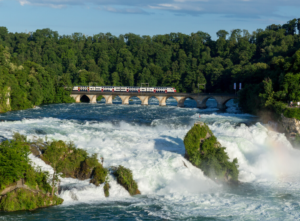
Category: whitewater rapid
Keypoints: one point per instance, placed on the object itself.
(152, 147)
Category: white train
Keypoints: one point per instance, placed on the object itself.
(125, 89)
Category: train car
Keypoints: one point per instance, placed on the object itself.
(126, 89)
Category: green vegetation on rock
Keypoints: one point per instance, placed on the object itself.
(73, 162)
(21, 186)
(99, 175)
(125, 179)
(205, 152)
(106, 189)
(23, 199)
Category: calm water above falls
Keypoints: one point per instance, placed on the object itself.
(149, 141)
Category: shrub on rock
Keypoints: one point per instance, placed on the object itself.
(204, 151)
(99, 175)
(125, 179)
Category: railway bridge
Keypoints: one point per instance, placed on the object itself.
(200, 98)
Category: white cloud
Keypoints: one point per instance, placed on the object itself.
(123, 10)
(230, 8)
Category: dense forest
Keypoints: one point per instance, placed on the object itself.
(36, 66)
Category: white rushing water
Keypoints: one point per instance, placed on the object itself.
(268, 165)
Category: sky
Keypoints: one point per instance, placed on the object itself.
(144, 17)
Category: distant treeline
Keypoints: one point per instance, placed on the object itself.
(267, 62)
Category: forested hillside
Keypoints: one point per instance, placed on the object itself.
(37, 65)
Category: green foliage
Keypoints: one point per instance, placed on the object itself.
(4, 96)
(204, 151)
(106, 189)
(14, 162)
(125, 179)
(22, 199)
(19, 137)
(15, 165)
(192, 141)
(99, 175)
(292, 113)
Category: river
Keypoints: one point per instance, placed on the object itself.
(149, 141)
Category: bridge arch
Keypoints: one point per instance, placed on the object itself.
(213, 103)
(85, 99)
(171, 101)
(190, 102)
(231, 102)
(100, 98)
(135, 100)
(153, 100)
(116, 99)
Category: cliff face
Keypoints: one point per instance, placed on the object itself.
(291, 128)
(204, 151)
(290, 125)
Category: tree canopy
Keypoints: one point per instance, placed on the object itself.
(38, 65)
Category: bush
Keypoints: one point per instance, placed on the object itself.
(14, 162)
(15, 165)
(292, 113)
(125, 179)
(99, 175)
(106, 189)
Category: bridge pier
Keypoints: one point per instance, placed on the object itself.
(125, 99)
(201, 105)
(221, 100)
(93, 98)
(180, 101)
(162, 100)
(221, 106)
(144, 99)
(76, 97)
(108, 99)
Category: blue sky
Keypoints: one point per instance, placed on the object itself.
(144, 17)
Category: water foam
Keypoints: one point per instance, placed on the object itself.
(154, 153)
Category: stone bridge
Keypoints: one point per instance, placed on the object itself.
(161, 97)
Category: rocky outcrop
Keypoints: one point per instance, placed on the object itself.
(204, 151)
(290, 125)
(18, 196)
(291, 128)
(72, 162)
(125, 179)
